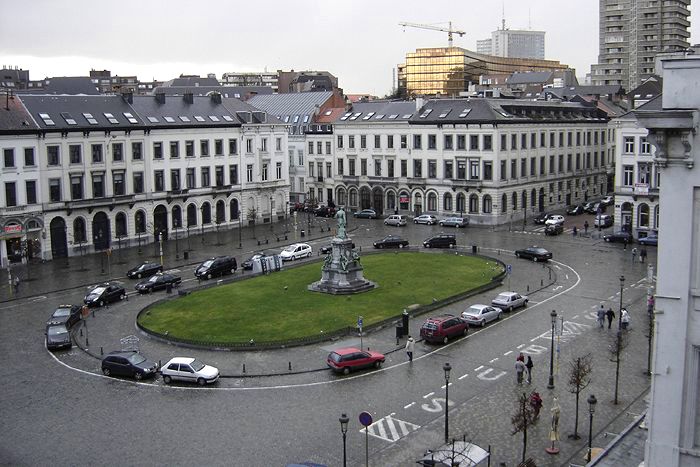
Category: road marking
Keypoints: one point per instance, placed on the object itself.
(566, 276)
(478, 368)
(558, 287)
(612, 296)
(463, 376)
(483, 374)
(409, 405)
(508, 353)
(574, 317)
(493, 360)
(520, 346)
(428, 395)
(436, 405)
(443, 386)
(38, 298)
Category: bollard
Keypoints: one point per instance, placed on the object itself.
(258, 242)
(267, 241)
(550, 274)
(528, 287)
(244, 368)
(290, 366)
(102, 351)
(160, 364)
(81, 332)
(285, 236)
(541, 282)
(93, 312)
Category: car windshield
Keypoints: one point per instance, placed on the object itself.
(137, 358)
(56, 331)
(142, 267)
(539, 250)
(197, 365)
(153, 279)
(334, 357)
(208, 263)
(61, 312)
(473, 310)
(97, 291)
(503, 297)
(290, 248)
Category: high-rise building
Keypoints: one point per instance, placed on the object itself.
(513, 43)
(632, 32)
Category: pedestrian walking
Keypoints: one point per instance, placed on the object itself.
(521, 357)
(15, 284)
(529, 366)
(624, 318)
(610, 314)
(625, 244)
(600, 316)
(585, 227)
(574, 231)
(409, 348)
(536, 403)
(643, 254)
(634, 254)
(519, 370)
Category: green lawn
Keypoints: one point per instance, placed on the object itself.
(261, 308)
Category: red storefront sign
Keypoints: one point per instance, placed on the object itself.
(403, 199)
(13, 228)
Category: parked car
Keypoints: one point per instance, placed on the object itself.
(158, 282)
(350, 359)
(144, 270)
(575, 210)
(454, 222)
(399, 220)
(366, 214)
(217, 266)
(441, 240)
(65, 314)
(324, 211)
(296, 251)
(57, 337)
(593, 208)
(442, 328)
(651, 239)
(102, 294)
(481, 314)
(555, 219)
(128, 363)
(325, 249)
(190, 370)
(541, 218)
(553, 229)
(508, 301)
(247, 265)
(391, 241)
(426, 219)
(619, 237)
(608, 200)
(603, 220)
(534, 253)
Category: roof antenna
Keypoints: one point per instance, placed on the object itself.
(529, 23)
(503, 16)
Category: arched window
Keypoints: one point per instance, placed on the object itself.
(432, 202)
(488, 205)
(643, 215)
(120, 224)
(504, 203)
(342, 197)
(390, 200)
(473, 204)
(656, 217)
(191, 215)
(447, 202)
(233, 208)
(533, 198)
(177, 217)
(79, 233)
(461, 201)
(140, 222)
(523, 199)
(514, 201)
(206, 213)
(220, 212)
(353, 197)
(404, 200)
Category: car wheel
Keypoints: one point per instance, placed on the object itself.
(607, 240)
(401, 245)
(138, 276)
(415, 222)
(138, 376)
(167, 379)
(482, 323)
(517, 255)
(534, 258)
(498, 317)
(445, 340)
(201, 381)
(377, 364)
(233, 270)
(525, 303)
(309, 255)
(101, 303)
(466, 331)
(122, 296)
(346, 370)
(427, 245)
(106, 372)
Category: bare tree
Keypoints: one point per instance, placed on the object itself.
(579, 378)
(617, 345)
(522, 419)
(251, 215)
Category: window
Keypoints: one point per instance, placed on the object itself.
(340, 142)
(643, 173)
(390, 168)
(504, 142)
(138, 182)
(10, 194)
(543, 139)
(190, 178)
(432, 169)
(263, 146)
(76, 187)
(311, 147)
(560, 164)
(54, 190)
(249, 172)
(474, 169)
(552, 138)
(351, 167)
(98, 185)
(473, 204)
(404, 141)
(118, 183)
(487, 204)
(629, 145)
(523, 141)
(551, 164)
(488, 170)
(561, 142)
(278, 170)
(264, 172)
(461, 142)
(52, 155)
(233, 146)
(569, 167)
(523, 167)
(249, 145)
(203, 149)
(30, 186)
(9, 157)
(377, 168)
(377, 142)
(219, 175)
(233, 174)
(513, 142)
(404, 168)
(174, 179)
(417, 142)
(462, 170)
(137, 151)
(390, 141)
(533, 166)
(503, 171)
(448, 142)
(74, 154)
(533, 140)
(578, 161)
(219, 146)
(542, 165)
(432, 142)
(158, 181)
(351, 142)
(449, 169)
(513, 169)
(29, 157)
(363, 167)
(488, 142)
(643, 215)
(645, 147)
(328, 147)
(474, 142)
(363, 141)
(569, 139)
(341, 167)
(117, 152)
(174, 149)
(278, 145)
(157, 150)
(205, 177)
(319, 147)
(627, 175)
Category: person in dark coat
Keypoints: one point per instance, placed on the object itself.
(610, 314)
(529, 366)
(643, 255)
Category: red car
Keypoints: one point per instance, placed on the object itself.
(442, 328)
(349, 359)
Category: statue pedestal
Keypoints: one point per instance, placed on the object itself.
(342, 272)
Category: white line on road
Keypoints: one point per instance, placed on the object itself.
(409, 405)
(574, 317)
(428, 395)
(566, 276)
(557, 287)
(443, 386)
(520, 346)
(557, 266)
(508, 353)
(611, 297)
(479, 368)
(493, 360)
(463, 376)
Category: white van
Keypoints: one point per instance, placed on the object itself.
(396, 219)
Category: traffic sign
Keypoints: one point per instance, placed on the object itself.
(366, 419)
(509, 268)
(359, 322)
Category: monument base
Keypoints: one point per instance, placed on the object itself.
(342, 272)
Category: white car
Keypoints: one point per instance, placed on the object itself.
(399, 220)
(426, 219)
(555, 219)
(508, 301)
(189, 369)
(481, 314)
(296, 251)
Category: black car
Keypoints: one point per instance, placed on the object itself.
(158, 282)
(541, 218)
(247, 265)
(58, 337)
(391, 241)
(128, 363)
(324, 211)
(103, 294)
(144, 270)
(619, 237)
(365, 214)
(65, 314)
(325, 249)
(534, 253)
(594, 208)
(553, 229)
(576, 210)
(217, 266)
(442, 240)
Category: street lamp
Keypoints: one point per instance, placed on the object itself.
(618, 344)
(240, 226)
(619, 316)
(271, 227)
(344, 430)
(592, 401)
(447, 368)
(550, 385)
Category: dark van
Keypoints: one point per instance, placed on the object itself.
(441, 240)
(214, 267)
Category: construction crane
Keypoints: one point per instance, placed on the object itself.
(449, 30)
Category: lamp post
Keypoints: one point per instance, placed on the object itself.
(177, 246)
(447, 368)
(160, 244)
(550, 385)
(344, 430)
(592, 401)
(618, 344)
(619, 316)
(271, 227)
(240, 226)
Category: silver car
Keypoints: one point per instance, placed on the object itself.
(426, 219)
(189, 369)
(455, 222)
(508, 301)
(479, 315)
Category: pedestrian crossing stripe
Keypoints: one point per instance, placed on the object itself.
(390, 429)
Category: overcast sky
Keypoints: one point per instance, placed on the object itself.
(359, 41)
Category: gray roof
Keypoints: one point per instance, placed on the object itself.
(13, 115)
(74, 85)
(529, 77)
(281, 105)
(238, 92)
(191, 81)
(569, 91)
(379, 112)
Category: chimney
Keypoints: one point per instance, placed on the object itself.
(216, 97)
(160, 97)
(420, 102)
(128, 96)
(188, 97)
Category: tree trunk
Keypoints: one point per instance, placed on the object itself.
(524, 429)
(578, 391)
